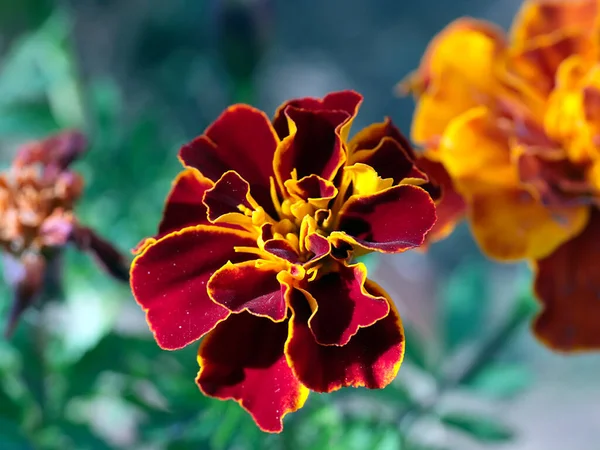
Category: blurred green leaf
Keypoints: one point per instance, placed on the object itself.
(9, 407)
(416, 349)
(11, 438)
(82, 437)
(479, 427)
(30, 342)
(123, 354)
(464, 303)
(502, 380)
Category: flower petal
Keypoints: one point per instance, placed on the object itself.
(510, 224)
(184, 206)
(282, 249)
(389, 159)
(169, 278)
(243, 359)
(311, 187)
(347, 101)
(568, 286)
(371, 359)
(246, 287)
(341, 305)
(450, 208)
(241, 139)
(392, 220)
(476, 153)
(314, 146)
(456, 74)
(370, 137)
(226, 197)
(538, 60)
(538, 18)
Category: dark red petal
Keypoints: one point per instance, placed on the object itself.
(315, 148)
(389, 160)
(311, 187)
(450, 207)
(392, 220)
(227, 195)
(245, 287)
(372, 358)
(241, 139)
(318, 245)
(568, 286)
(184, 205)
(243, 359)
(169, 280)
(282, 249)
(342, 306)
(370, 137)
(347, 101)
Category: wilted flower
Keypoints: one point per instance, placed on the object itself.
(37, 197)
(256, 246)
(515, 122)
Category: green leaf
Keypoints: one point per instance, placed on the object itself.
(464, 303)
(499, 380)
(415, 350)
(82, 437)
(11, 437)
(479, 427)
(27, 120)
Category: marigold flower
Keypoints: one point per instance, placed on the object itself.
(515, 123)
(255, 251)
(37, 196)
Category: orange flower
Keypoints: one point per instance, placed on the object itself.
(515, 122)
(37, 197)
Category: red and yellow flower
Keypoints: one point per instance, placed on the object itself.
(515, 122)
(255, 252)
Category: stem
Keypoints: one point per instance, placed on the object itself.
(487, 352)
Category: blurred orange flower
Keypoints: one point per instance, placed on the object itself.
(515, 122)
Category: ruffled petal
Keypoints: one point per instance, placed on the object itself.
(476, 153)
(282, 249)
(511, 224)
(241, 139)
(371, 359)
(246, 287)
(450, 208)
(537, 61)
(568, 286)
(169, 278)
(393, 220)
(341, 305)
(457, 73)
(229, 195)
(347, 101)
(313, 147)
(542, 17)
(243, 359)
(389, 158)
(370, 137)
(184, 206)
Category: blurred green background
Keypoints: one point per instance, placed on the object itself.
(141, 77)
